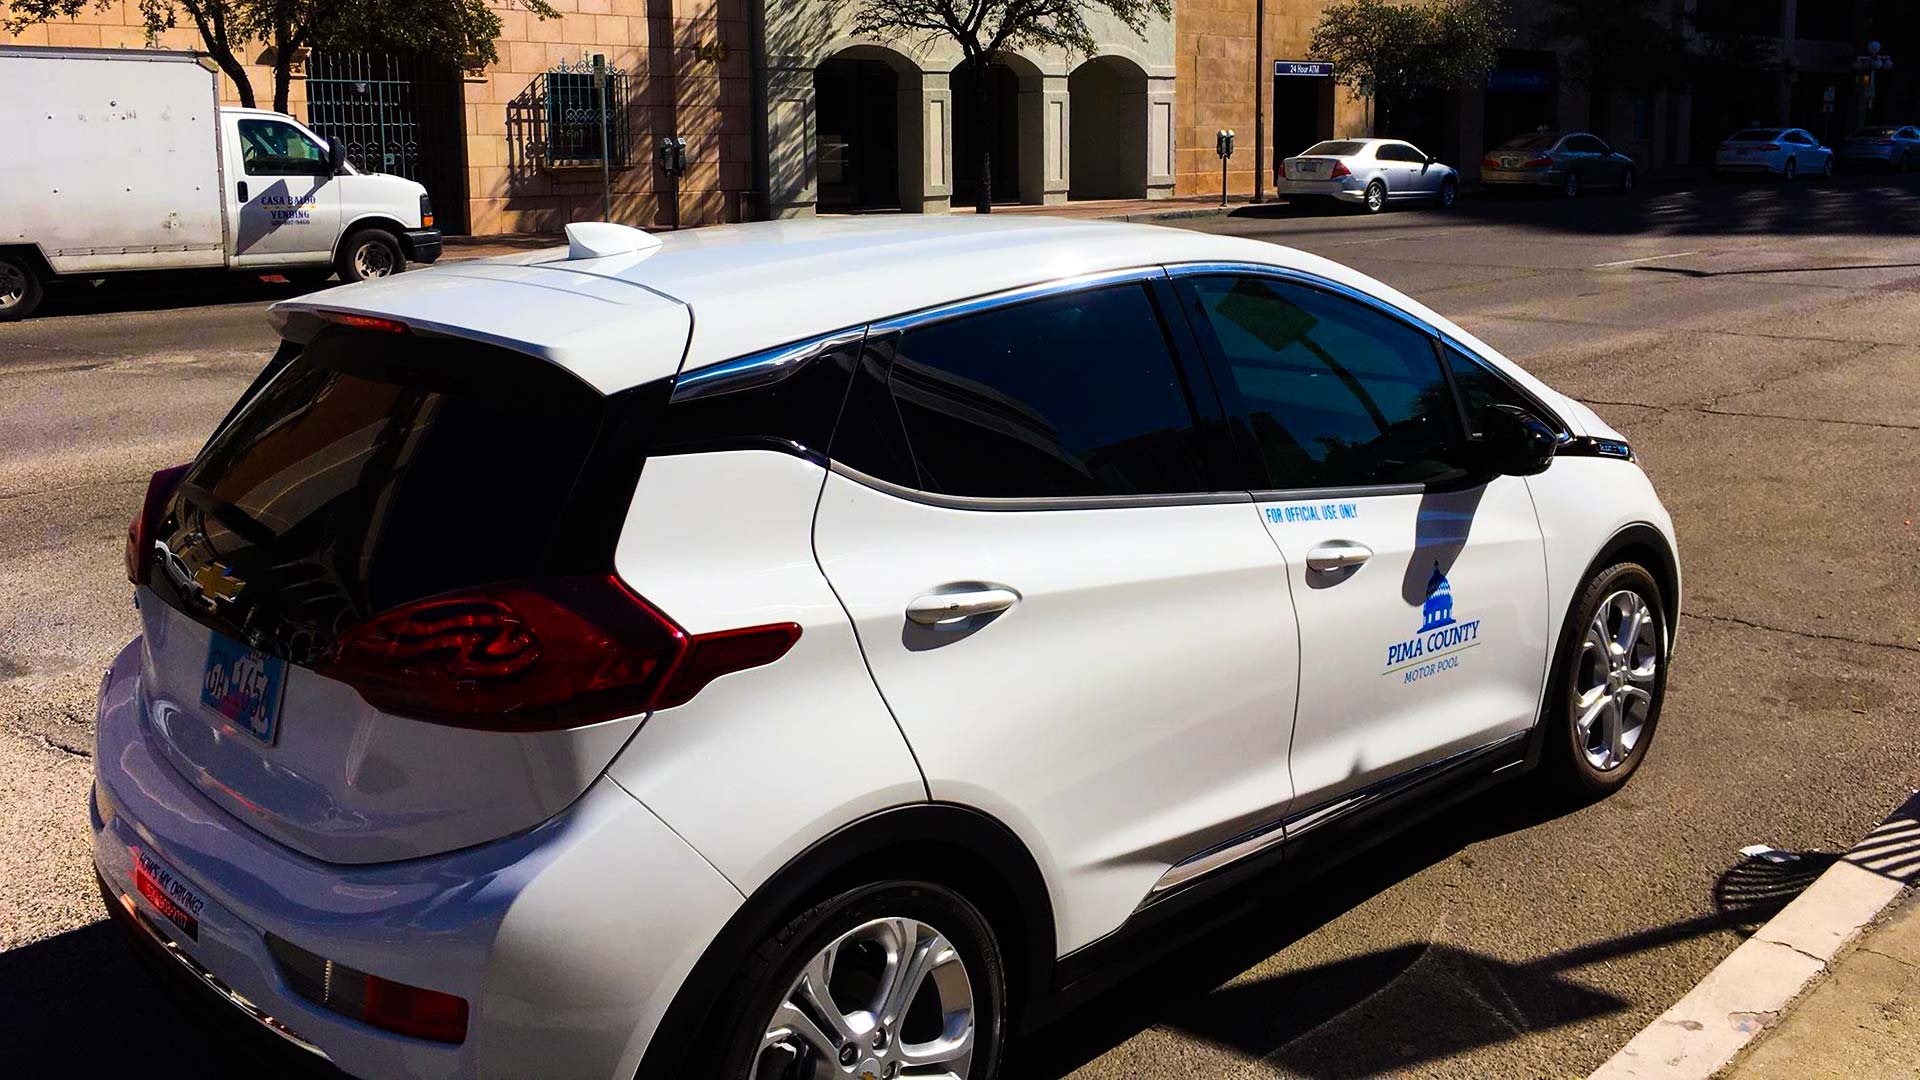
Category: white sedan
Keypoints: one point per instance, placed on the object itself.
(1783, 152)
(808, 649)
(1371, 173)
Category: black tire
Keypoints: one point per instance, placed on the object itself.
(1906, 160)
(1826, 168)
(741, 1016)
(1449, 192)
(1627, 180)
(1375, 199)
(368, 254)
(1570, 187)
(21, 289)
(1566, 770)
(1790, 170)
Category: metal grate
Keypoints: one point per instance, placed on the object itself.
(566, 110)
(395, 114)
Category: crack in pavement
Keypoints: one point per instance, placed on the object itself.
(1886, 425)
(1809, 634)
(1592, 324)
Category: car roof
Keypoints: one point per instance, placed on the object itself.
(704, 296)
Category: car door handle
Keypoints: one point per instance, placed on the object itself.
(1337, 555)
(240, 189)
(934, 608)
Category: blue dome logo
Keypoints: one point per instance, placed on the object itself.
(1439, 607)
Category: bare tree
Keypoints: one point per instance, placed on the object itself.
(983, 28)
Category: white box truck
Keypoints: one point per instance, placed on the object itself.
(115, 160)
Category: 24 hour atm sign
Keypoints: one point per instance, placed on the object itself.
(1322, 68)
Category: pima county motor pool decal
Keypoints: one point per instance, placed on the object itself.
(1437, 645)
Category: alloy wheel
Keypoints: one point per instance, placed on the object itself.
(1614, 679)
(1376, 197)
(1626, 182)
(372, 260)
(1792, 168)
(888, 998)
(1448, 193)
(1572, 186)
(1826, 168)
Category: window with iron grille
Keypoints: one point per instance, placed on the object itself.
(564, 113)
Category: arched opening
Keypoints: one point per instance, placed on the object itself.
(1107, 130)
(862, 132)
(998, 120)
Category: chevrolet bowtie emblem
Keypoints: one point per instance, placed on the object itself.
(217, 582)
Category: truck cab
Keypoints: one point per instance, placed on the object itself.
(293, 201)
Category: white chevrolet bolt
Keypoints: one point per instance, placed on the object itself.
(816, 649)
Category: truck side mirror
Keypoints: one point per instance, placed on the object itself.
(336, 157)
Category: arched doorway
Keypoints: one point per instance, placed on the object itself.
(860, 129)
(1011, 107)
(1107, 130)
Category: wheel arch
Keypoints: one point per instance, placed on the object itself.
(1638, 542)
(370, 221)
(952, 845)
(32, 256)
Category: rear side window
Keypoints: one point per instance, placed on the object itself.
(1066, 396)
(1330, 392)
(375, 469)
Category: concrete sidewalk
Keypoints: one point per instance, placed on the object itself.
(1861, 1021)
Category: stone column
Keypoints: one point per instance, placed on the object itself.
(792, 173)
(1044, 119)
(1160, 137)
(926, 143)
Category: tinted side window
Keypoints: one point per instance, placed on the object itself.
(274, 148)
(1071, 395)
(1330, 392)
(1394, 152)
(1585, 144)
(1481, 388)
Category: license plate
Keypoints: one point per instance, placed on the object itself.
(167, 892)
(244, 685)
(1512, 162)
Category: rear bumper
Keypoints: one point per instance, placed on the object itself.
(1523, 177)
(1334, 189)
(1742, 165)
(1882, 154)
(567, 941)
(422, 245)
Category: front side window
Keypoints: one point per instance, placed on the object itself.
(277, 148)
(1398, 152)
(1481, 389)
(1799, 139)
(1329, 391)
(1065, 396)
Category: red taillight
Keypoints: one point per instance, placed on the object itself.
(1542, 162)
(1769, 147)
(410, 1010)
(1339, 170)
(140, 530)
(1489, 163)
(1283, 169)
(550, 653)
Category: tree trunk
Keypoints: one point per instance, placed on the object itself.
(983, 110)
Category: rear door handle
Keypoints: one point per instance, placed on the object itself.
(1337, 555)
(934, 608)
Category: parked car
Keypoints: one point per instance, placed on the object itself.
(122, 160)
(1369, 173)
(1784, 152)
(1569, 162)
(809, 648)
(1894, 145)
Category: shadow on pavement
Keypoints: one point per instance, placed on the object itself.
(163, 291)
(1398, 1007)
(1858, 204)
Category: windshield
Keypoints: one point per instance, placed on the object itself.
(1756, 135)
(1540, 141)
(1336, 148)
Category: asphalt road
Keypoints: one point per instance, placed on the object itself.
(1758, 343)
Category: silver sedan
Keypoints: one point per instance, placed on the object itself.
(1369, 173)
(1894, 145)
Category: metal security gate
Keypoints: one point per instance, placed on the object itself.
(396, 114)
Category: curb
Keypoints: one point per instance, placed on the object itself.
(1753, 987)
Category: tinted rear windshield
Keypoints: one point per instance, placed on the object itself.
(1336, 148)
(1756, 135)
(1530, 142)
(371, 470)
(1873, 133)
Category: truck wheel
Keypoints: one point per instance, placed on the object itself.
(369, 254)
(20, 289)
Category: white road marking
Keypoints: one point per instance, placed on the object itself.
(1644, 258)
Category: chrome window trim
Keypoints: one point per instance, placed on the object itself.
(1298, 824)
(974, 305)
(1352, 491)
(1302, 277)
(760, 369)
(1065, 502)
